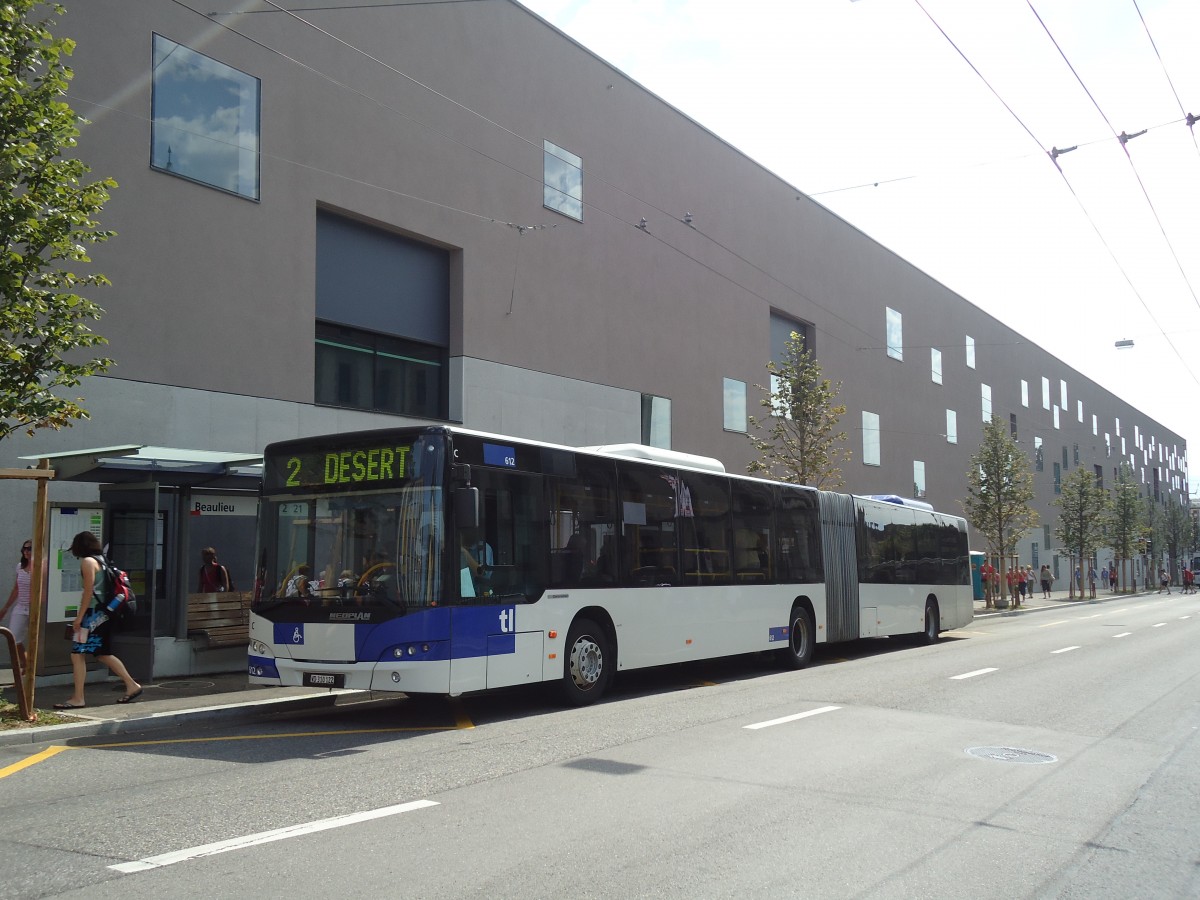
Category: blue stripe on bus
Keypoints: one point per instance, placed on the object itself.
(459, 632)
(259, 667)
(777, 634)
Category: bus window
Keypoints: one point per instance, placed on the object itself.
(798, 522)
(752, 561)
(703, 528)
(505, 557)
(647, 545)
(582, 525)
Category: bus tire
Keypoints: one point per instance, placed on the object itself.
(932, 623)
(802, 638)
(589, 662)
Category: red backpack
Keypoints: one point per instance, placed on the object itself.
(120, 602)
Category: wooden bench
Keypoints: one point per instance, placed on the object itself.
(222, 619)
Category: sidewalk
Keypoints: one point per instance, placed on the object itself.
(165, 703)
(1059, 599)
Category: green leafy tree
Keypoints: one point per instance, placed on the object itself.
(1083, 514)
(801, 444)
(1125, 520)
(1176, 529)
(1000, 494)
(47, 218)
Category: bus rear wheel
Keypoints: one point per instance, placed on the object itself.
(589, 663)
(802, 637)
(932, 623)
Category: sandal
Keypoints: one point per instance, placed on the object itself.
(70, 706)
(129, 698)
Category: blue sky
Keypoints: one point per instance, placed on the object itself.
(870, 109)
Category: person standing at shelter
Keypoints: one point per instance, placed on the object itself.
(214, 577)
(91, 628)
(1046, 579)
(1092, 580)
(18, 602)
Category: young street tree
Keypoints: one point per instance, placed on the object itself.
(1176, 529)
(1124, 520)
(1083, 514)
(1000, 493)
(46, 219)
(802, 444)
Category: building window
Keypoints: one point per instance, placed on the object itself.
(985, 396)
(1118, 428)
(935, 365)
(1079, 409)
(1045, 393)
(1039, 462)
(1099, 476)
(870, 427)
(204, 120)
(918, 479)
(1057, 479)
(1107, 445)
(735, 405)
(895, 334)
(970, 352)
(1064, 464)
(1056, 424)
(1062, 392)
(383, 320)
(1012, 425)
(362, 370)
(1025, 393)
(1075, 454)
(656, 421)
(951, 427)
(1095, 425)
(562, 181)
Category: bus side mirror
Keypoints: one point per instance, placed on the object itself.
(466, 507)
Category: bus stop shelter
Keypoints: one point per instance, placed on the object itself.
(157, 508)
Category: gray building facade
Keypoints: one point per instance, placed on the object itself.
(362, 213)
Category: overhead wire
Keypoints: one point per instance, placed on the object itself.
(1066, 181)
(1167, 75)
(1123, 139)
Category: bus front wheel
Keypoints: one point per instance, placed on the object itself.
(802, 637)
(589, 663)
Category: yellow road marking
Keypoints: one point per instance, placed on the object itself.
(32, 760)
(461, 720)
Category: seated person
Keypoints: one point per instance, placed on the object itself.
(476, 560)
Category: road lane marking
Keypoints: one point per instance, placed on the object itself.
(1059, 622)
(264, 737)
(1096, 616)
(1160, 625)
(792, 718)
(1064, 650)
(1123, 634)
(1181, 618)
(266, 837)
(31, 761)
(972, 674)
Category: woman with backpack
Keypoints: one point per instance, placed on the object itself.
(91, 630)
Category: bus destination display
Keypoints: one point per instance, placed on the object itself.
(334, 468)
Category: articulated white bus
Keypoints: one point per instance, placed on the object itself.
(441, 560)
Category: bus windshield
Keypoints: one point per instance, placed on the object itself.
(337, 550)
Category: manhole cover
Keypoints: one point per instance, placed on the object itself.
(1013, 755)
(186, 685)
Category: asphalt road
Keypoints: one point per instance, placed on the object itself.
(1047, 755)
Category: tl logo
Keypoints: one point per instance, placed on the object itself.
(508, 620)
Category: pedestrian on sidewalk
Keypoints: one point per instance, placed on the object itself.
(1046, 578)
(1091, 581)
(91, 628)
(1164, 582)
(1112, 576)
(18, 602)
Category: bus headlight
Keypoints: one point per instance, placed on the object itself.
(258, 648)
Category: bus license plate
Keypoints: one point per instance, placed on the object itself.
(324, 679)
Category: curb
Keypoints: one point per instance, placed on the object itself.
(229, 712)
(1059, 604)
